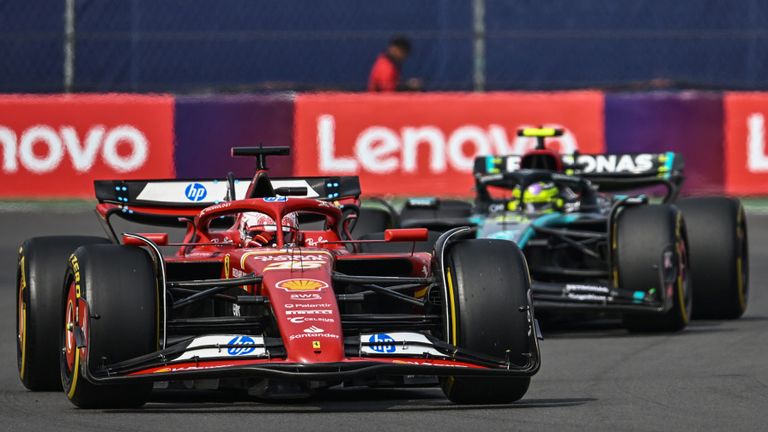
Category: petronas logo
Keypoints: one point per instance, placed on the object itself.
(301, 285)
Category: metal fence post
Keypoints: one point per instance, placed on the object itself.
(478, 46)
(69, 45)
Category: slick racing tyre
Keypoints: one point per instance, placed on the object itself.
(39, 278)
(652, 259)
(488, 285)
(373, 220)
(717, 245)
(110, 315)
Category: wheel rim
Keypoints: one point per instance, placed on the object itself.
(683, 282)
(21, 321)
(70, 321)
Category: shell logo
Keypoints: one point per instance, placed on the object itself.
(301, 285)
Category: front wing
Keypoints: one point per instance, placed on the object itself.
(367, 355)
(592, 297)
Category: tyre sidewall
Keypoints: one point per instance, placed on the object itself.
(41, 266)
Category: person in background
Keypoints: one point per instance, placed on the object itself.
(385, 74)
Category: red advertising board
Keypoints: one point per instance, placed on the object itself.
(425, 144)
(746, 153)
(55, 146)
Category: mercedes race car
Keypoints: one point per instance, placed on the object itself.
(267, 292)
(591, 249)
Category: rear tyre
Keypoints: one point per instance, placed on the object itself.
(445, 215)
(717, 244)
(489, 285)
(113, 311)
(41, 266)
(372, 220)
(652, 261)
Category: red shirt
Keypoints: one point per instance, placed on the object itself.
(385, 75)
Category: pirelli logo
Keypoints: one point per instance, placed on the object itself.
(76, 270)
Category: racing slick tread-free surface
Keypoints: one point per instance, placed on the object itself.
(44, 263)
(118, 283)
(717, 246)
(644, 233)
(372, 220)
(489, 283)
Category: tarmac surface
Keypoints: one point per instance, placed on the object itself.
(595, 376)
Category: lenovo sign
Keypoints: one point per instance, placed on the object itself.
(56, 145)
(99, 142)
(426, 144)
(746, 152)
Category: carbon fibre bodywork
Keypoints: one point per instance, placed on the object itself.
(571, 248)
(307, 308)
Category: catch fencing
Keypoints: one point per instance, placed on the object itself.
(199, 46)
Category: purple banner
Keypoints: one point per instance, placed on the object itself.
(690, 123)
(206, 127)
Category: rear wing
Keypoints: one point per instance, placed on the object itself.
(173, 202)
(612, 172)
(197, 194)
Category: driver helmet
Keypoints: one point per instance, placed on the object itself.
(539, 197)
(258, 229)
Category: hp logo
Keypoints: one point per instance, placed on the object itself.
(382, 342)
(241, 350)
(195, 192)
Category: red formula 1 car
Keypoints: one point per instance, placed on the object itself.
(253, 298)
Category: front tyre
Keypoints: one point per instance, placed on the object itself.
(652, 260)
(488, 285)
(41, 265)
(110, 315)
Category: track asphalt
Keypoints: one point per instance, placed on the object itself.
(596, 376)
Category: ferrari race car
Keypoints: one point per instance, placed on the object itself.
(590, 249)
(267, 292)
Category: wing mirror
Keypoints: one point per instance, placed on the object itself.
(406, 234)
(292, 191)
(160, 239)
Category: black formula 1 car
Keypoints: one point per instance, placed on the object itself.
(590, 248)
(267, 292)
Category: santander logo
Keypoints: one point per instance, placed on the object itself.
(42, 148)
(382, 150)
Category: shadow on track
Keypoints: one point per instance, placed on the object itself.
(598, 328)
(756, 318)
(357, 400)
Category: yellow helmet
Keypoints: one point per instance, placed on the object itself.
(539, 197)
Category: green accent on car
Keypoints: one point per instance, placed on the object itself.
(545, 221)
(666, 172)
